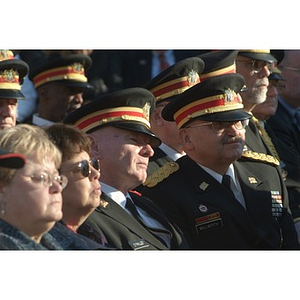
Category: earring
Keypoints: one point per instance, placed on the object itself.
(3, 205)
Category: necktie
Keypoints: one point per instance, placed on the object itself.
(226, 181)
(160, 234)
(131, 207)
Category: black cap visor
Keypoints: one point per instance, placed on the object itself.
(154, 140)
(226, 116)
(11, 94)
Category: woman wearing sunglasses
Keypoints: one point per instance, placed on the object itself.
(82, 195)
(30, 193)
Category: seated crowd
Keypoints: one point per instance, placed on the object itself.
(200, 150)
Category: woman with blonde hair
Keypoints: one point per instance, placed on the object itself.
(31, 196)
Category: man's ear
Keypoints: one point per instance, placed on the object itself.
(95, 150)
(156, 117)
(185, 138)
(43, 92)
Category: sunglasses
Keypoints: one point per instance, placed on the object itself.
(84, 166)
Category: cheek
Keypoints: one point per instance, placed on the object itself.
(75, 190)
(31, 203)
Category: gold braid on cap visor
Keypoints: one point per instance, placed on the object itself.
(228, 70)
(74, 72)
(213, 104)
(176, 86)
(117, 114)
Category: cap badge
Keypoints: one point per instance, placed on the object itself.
(77, 67)
(9, 76)
(229, 95)
(6, 54)
(146, 111)
(192, 78)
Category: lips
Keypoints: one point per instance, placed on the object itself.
(6, 125)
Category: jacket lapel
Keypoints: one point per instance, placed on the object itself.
(210, 191)
(114, 211)
(258, 204)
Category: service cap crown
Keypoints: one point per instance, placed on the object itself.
(176, 79)
(215, 99)
(128, 109)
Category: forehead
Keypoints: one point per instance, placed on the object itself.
(4, 101)
(77, 158)
(72, 90)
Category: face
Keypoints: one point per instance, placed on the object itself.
(256, 82)
(167, 131)
(123, 155)
(289, 89)
(213, 150)
(267, 109)
(82, 194)
(32, 206)
(8, 113)
(62, 100)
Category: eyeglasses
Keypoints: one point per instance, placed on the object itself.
(47, 179)
(256, 65)
(84, 166)
(219, 127)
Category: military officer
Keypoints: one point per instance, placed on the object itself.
(12, 73)
(165, 87)
(59, 83)
(219, 198)
(119, 127)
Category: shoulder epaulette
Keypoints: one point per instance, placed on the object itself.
(162, 173)
(255, 156)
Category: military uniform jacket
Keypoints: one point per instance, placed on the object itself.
(287, 142)
(211, 218)
(124, 232)
(156, 162)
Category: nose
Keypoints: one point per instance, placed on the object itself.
(94, 175)
(147, 151)
(55, 187)
(264, 72)
(77, 98)
(232, 130)
(272, 91)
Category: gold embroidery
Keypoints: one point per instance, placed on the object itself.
(266, 138)
(162, 173)
(261, 157)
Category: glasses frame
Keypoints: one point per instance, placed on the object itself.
(47, 179)
(243, 123)
(252, 64)
(84, 167)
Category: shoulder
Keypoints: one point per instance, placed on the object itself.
(161, 173)
(259, 157)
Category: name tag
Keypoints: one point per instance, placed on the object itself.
(208, 222)
(138, 244)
